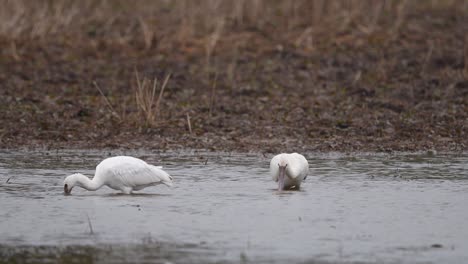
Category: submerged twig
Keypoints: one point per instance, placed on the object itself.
(91, 232)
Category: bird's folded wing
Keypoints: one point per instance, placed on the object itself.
(138, 176)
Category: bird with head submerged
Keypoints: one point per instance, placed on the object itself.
(289, 170)
(123, 173)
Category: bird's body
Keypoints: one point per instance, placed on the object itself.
(122, 173)
(289, 170)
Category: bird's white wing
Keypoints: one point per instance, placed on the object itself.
(132, 172)
(300, 165)
(133, 177)
(297, 165)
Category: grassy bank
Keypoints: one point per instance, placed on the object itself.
(239, 75)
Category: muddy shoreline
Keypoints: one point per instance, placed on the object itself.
(256, 91)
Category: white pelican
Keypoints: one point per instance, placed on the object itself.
(120, 173)
(289, 170)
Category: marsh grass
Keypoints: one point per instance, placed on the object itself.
(145, 92)
(232, 60)
(465, 70)
(146, 105)
(214, 26)
(148, 21)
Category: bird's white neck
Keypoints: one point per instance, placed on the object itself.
(86, 183)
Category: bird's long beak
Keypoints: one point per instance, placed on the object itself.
(66, 191)
(281, 177)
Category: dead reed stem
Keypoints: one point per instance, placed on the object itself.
(427, 58)
(211, 44)
(189, 124)
(401, 12)
(109, 105)
(465, 70)
(213, 94)
(161, 92)
(148, 34)
(14, 51)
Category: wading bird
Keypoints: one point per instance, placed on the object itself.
(289, 170)
(122, 173)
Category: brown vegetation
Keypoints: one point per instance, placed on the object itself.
(245, 75)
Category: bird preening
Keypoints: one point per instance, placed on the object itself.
(289, 170)
(123, 173)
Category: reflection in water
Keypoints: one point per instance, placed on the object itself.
(224, 207)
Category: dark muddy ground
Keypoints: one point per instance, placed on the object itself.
(352, 91)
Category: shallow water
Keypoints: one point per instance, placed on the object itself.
(401, 208)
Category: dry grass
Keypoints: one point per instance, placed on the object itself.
(214, 25)
(127, 21)
(146, 104)
(189, 124)
(465, 72)
(243, 71)
(145, 92)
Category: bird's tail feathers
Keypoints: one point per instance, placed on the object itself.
(164, 176)
(167, 181)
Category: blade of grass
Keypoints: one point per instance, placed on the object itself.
(107, 101)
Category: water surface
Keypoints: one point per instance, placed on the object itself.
(371, 208)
